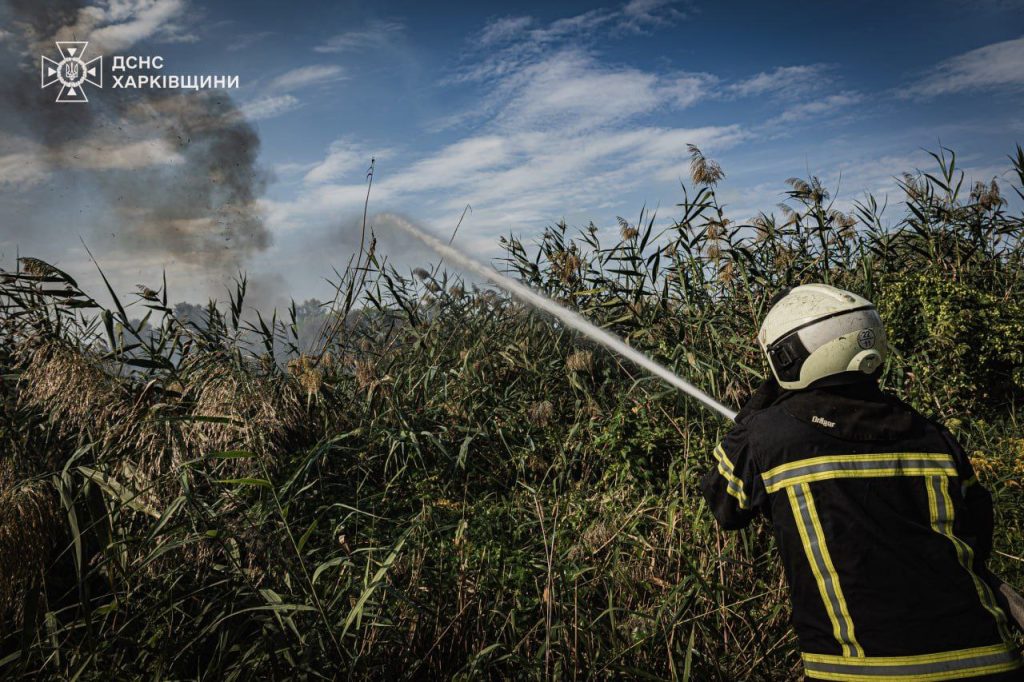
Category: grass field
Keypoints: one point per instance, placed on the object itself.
(444, 484)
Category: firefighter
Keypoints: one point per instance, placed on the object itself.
(881, 523)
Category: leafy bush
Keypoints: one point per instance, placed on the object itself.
(445, 484)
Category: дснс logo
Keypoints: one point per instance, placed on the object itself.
(71, 71)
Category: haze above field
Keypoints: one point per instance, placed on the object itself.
(529, 113)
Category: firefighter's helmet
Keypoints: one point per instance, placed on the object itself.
(816, 330)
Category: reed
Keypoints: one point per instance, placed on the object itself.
(444, 483)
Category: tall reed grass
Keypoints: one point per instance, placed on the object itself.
(447, 485)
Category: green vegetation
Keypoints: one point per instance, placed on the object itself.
(450, 485)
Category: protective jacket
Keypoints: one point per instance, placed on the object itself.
(883, 531)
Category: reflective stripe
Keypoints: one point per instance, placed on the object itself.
(948, 665)
(858, 466)
(813, 538)
(734, 485)
(941, 512)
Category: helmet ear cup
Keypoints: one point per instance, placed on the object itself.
(866, 361)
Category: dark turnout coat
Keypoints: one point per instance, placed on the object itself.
(883, 530)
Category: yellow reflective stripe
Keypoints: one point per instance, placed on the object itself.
(927, 677)
(855, 473)
(966, 556)
(834, 459)
(940, 657)
(941, 511)
(858, 466)
(834, 615)
(734, 485)
(947, 665)
(844, 610)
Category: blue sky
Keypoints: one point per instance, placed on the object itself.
(528, 112)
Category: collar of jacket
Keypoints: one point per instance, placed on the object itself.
(851, 408)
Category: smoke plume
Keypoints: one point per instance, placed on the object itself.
(177, 169)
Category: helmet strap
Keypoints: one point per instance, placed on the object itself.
(787, 357)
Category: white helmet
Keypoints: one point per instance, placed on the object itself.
(816, 330)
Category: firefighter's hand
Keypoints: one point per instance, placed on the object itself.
(765, 395)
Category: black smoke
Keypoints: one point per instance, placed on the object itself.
(199, 207)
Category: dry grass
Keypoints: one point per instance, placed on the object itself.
(255, 411)
(30, 529)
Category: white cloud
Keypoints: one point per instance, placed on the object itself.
(116, 25)
(307, 76)
(343, 158)
(818, 107)
(556, 131)
(278, 99)
(548, 76)
(376, 34)
(503, 29)
(688, 89)
(454, 165)
(571, 89)
(22, 170)
(579, 25)
(293, 168)
(784, 80)
(269, 107)
(515, 179)
(999, 65)
(545, 175)
(638, 14)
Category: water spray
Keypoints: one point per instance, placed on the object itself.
(569, 317)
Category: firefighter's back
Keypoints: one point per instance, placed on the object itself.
(882, 526)
(869, 502)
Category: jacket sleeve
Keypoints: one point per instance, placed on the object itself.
(733, 487)
(980, 517)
